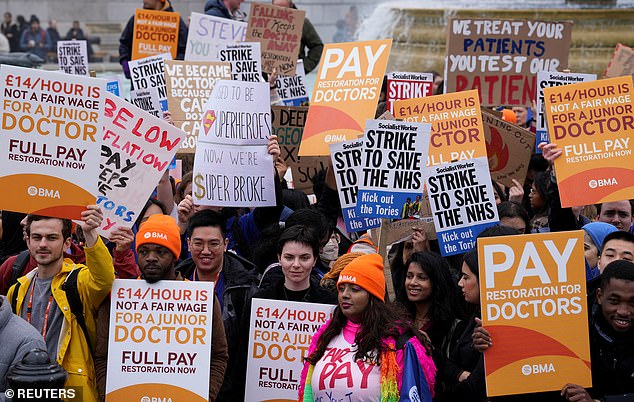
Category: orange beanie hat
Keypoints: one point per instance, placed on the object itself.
(366, 271)
(509, 116)
(162, 230)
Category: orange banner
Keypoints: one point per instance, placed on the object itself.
(533, 298)
(593, 122)
(345, 95)
(155, 32)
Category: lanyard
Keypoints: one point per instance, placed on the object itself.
(29, 309)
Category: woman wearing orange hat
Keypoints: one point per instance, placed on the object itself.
(359, 355)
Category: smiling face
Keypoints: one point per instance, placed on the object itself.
(47, 243)
(617, 303)
(469, 285)
(297, 260)
(417, 284)
(207, 247)
(353, 300)
(615, 249)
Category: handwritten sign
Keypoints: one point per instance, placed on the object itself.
(279, 30)
(51, 128)
(150, 73)
(622, 62)
(114, 85)
(155, 32)
(244, 59)
(160, 340)
(403, 85)
(500, 58)
(72, 57)
(207, 33)
(533, 294)
(292, 90)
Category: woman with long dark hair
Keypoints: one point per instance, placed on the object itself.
(359, 353)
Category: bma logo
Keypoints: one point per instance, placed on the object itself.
(348, 278)
(155, 399)
(42, 192)
(155, 235)
(529, 369)
(611, 181)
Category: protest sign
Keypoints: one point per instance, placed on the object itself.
(135, 151)
(237, 113)
(207, 33)
(279, 31)
(189, 85)
(592, 123)
(114, 85)
(72, 57)
(462, 202)
(244, 59)
(160, 340)
(292, 90)
(149, 73)
(547, 79)
(402, 85)
(345, 94)
(233, 176)
(279, 337)
(51, 128)
(500, 58)
(456, 125)
(509, 149)
(147, 100)
(155, 32)
(346, 162)
(533, 294)
(392, 165)
(622, 62)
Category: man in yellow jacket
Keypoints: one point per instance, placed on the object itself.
(43, 303)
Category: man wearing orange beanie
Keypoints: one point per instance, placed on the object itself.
(366, 272)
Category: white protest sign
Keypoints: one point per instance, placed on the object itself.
(406, 85)
(147, 100)
(245, 59)
(207, 33)
(114, 84)
(72, 57)
(462, 203)
(346, 162)
(135, 151)
(149, 73)
(292, 89)
(392, 164)
(160, 341)
(279, 337)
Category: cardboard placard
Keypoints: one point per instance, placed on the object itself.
(279, 337)
(292, 90)
(160, 340)
(136, 149)
(147, 100)
(500, 58)
(622, 62)
(72, 57)
(533, 294)
(346, 93)
(149, 72)
(244, 59)
(592, 123)
(51, 128)
(279, 31)
(189, 85)
(207, 33)
(407, 85)
(155, 32)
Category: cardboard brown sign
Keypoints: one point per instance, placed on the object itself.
(500, 58)
(279, 31)
(622, 62)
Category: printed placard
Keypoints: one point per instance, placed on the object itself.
(346, 161)
(244, 59)
(207, 33)
(136, 149)
(189, 86)
(456, 125)
(547, 79)
(147, 100)
(150, 73)
(462, 203)
(592, 122)
(500, 58)
(345, 94)
(622, 62)
(509, 149)
(51, 128)
(407, 85)
(392, 165)
(533, 294)
(292, 89)
(160, 340)
(229, 175)
(155, 32)
(72, 57)
(279, 30)
(237, 113)
(279, 337)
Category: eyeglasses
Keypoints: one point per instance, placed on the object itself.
(213, 245)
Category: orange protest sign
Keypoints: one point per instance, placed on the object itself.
(592, 122)
(345, 94)
(533, 294)
(456, 125)
(155, 32)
